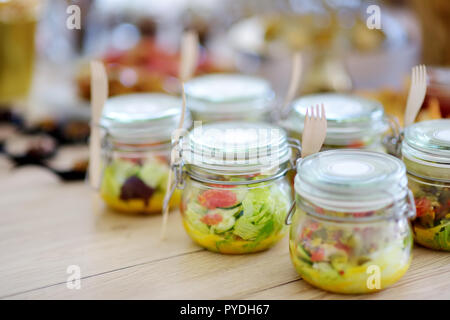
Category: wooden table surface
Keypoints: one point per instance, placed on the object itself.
(46, 226)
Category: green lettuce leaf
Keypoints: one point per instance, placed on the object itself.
(154, 173)
(264, 211)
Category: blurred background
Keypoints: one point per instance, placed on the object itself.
(44, 63)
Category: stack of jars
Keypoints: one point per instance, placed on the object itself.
(350, 216)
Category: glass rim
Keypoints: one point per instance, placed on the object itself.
(236, 147)
(155, 124)
(266, 88)
(372, 122)
(421, 143)
(393, 208)
(378, 179)
(279, 174)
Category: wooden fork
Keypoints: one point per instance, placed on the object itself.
(294, 84)
(189, 59)
(416, 94)
(99, 94)
(314, 130)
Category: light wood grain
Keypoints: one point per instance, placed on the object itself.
(46, 225)
(44, 230)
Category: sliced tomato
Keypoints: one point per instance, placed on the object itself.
(423, 206)
(211, 219)
(342, 246)
(356, 145)
(318, 255)
(215, 198)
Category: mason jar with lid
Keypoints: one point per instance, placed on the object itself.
(136, 149)
(235, 195)
(352, 121)
(226, 97)
(350, 232)
(426, 154)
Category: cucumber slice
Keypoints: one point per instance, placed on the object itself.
(240, 193)
(224, 226)
(303, 254)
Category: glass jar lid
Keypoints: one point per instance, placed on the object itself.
(236, 148)
(142, 117)
(349, 117)
(351, 180)
(227, 94)
(426, 149)
(430, 140)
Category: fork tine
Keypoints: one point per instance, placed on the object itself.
(420, 77)
(424, 73)
(324, 119)
(416, 93)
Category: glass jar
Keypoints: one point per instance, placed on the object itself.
(235, 195)
(18, 24)
(136, 149)
(438, 89)
(226, 97)
(350, 232)
(426, 154)
(352, 121)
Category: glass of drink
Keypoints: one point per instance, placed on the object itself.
(18, 20)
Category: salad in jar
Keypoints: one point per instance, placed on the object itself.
(432, 223)
(135, 150)
(341, 257)
(350, 232)
(136, 185)
(236, 219)
(235, 194)
(426, 154)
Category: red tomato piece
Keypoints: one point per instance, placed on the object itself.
(215, 198)
(423, 206)
(356, 145)
(318, 255)
(211, 219)
(342, 246)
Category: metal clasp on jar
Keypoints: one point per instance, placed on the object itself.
(295, 144)
(393, 142)
(177, 168)
(408, 209)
